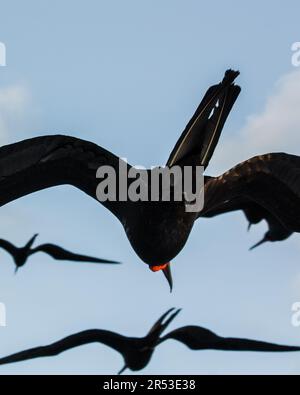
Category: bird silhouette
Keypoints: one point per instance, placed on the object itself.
(137, 352)
(157, 230)
(21, 254)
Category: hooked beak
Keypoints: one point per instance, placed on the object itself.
(166, 269)
(167, 273)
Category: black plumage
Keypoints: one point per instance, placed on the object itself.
(137, 352)
(254, 214)
(197, 338)
(265, 187)
(156, 230)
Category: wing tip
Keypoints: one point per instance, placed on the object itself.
(230, 76)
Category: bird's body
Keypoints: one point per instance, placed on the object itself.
(159, 231)
(20, 255)
(137, 352)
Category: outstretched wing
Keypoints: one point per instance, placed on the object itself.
(254, 214)
(271, 181)
(202, 133)
(111, 339)
(59, 253)
(8, 247)
(197, 338)
(43, 162)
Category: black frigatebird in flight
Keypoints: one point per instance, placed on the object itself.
(158, 230)
(21, 254)
(137, 352)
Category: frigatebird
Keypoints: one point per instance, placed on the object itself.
(158, 230)
(21, 254)
(137, 352)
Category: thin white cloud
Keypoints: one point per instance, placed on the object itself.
(14, 102)
(275, 129)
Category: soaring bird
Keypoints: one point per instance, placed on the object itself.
(157, 230)
(137, 352)
(21, 254)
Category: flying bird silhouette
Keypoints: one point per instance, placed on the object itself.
(137, 352)
(21, 254)
(157, 230)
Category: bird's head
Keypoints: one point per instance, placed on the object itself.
(20, 262)
(165, 268)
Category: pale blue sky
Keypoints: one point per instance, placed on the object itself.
(128, 76)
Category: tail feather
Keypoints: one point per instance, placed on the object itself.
(216, 123)
(202, 133)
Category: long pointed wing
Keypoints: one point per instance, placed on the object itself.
(111, 339)
(254, 214)
(234, 344)
(8, 247)
(59, 253)
(202, 133)
(43, 162)
(197, 338)
(272, 181)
